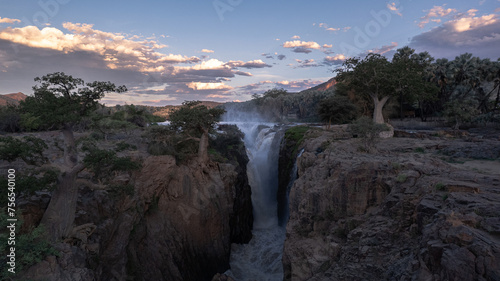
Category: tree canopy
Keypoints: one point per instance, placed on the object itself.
(61, 100)
(372, 76)
(196, 121)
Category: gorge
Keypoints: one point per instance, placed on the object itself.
(260, 259)
(410, 210)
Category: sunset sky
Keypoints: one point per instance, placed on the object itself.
(166, 52)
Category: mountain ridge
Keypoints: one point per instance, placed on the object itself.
(323, 86)
(13, 98)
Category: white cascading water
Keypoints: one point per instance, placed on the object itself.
(261, 258)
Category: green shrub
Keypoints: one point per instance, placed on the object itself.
(124, 164)
(122, 190)
(29, 149)
(458, 112)
(396, 166)
(368, 131)
(401, 178)
(419, 150)
(121, 146)
(10, 119)
(32, 180)
(101, 162)
(29, 122)
(296, 133)
(31, 248)
(228, 146)
(440, 186)
(163, 140)
(338, 110)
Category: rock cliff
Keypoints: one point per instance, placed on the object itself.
(166, 221)
(401, 213)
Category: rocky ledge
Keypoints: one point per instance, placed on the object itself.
(166, 221)
(409, 211)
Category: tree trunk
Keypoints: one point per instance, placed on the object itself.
(401, 105)
(203, 148)
(378, 117)
(497, 100)
(70, 154)
(60, 214)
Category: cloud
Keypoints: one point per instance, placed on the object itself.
(210, 70)
(118, 51)
(271, 56)
(248, 64)
(470, 23)
(302, 46)
(467, 33)
(7, 20)
(384, 49)
(327, 46)
(298, 85)
(393, 8)
(434, 14)
(207, 51)
(327, 28)
(334, 60)
(91, 54)
(208, 86)
(293, 85)
(295, 37)
(267, 56)
(301, 50)
(307, 63)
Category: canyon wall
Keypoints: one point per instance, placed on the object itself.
(401, 213)
(177, 223)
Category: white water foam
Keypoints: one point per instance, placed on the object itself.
(261, 258)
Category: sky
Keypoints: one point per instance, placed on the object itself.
(170, 51)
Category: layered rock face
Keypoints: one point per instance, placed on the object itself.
(175, 226)
(185, 232)
(398, 214)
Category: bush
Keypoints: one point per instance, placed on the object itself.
(10, 120)
(101, 162)
(338, 110)
(30, 122)
(122, 190)
(121, 146)
(163, 140)
(29, 149)
(28, 183)
(368, 131)
(31, 248)
(136, 115)
(460, 112)
(228, 145)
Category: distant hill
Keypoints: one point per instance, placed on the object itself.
(13, 98)
(324, 86)
(164, 111)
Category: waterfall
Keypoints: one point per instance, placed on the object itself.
(293, 176)
(261, 258)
